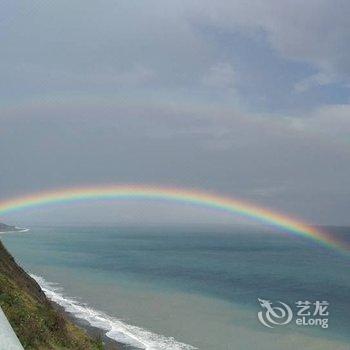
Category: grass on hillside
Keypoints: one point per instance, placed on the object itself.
(37, 324)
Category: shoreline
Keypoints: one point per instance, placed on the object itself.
(94, 332)
(17, 229)
(27, 308)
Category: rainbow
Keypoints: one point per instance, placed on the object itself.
(199, 198)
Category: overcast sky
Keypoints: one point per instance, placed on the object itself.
(243, 98)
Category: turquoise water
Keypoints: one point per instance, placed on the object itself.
(184, 287)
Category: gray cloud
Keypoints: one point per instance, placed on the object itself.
(215, 95)
(277, 161)
(221, 76)
(313, 31)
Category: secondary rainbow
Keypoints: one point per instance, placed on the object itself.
(199, 198)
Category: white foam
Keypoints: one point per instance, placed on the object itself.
(115, 328)
(16, 230)
(21, 229)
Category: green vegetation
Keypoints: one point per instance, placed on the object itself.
(37, 324)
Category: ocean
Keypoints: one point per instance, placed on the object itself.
(186, 287)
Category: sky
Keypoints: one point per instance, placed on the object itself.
(249, 99)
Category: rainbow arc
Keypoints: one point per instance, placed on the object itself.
(198, 198)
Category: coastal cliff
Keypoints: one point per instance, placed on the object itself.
(7, 228)
(36, 322)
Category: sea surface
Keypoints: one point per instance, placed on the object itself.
(186, 287)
